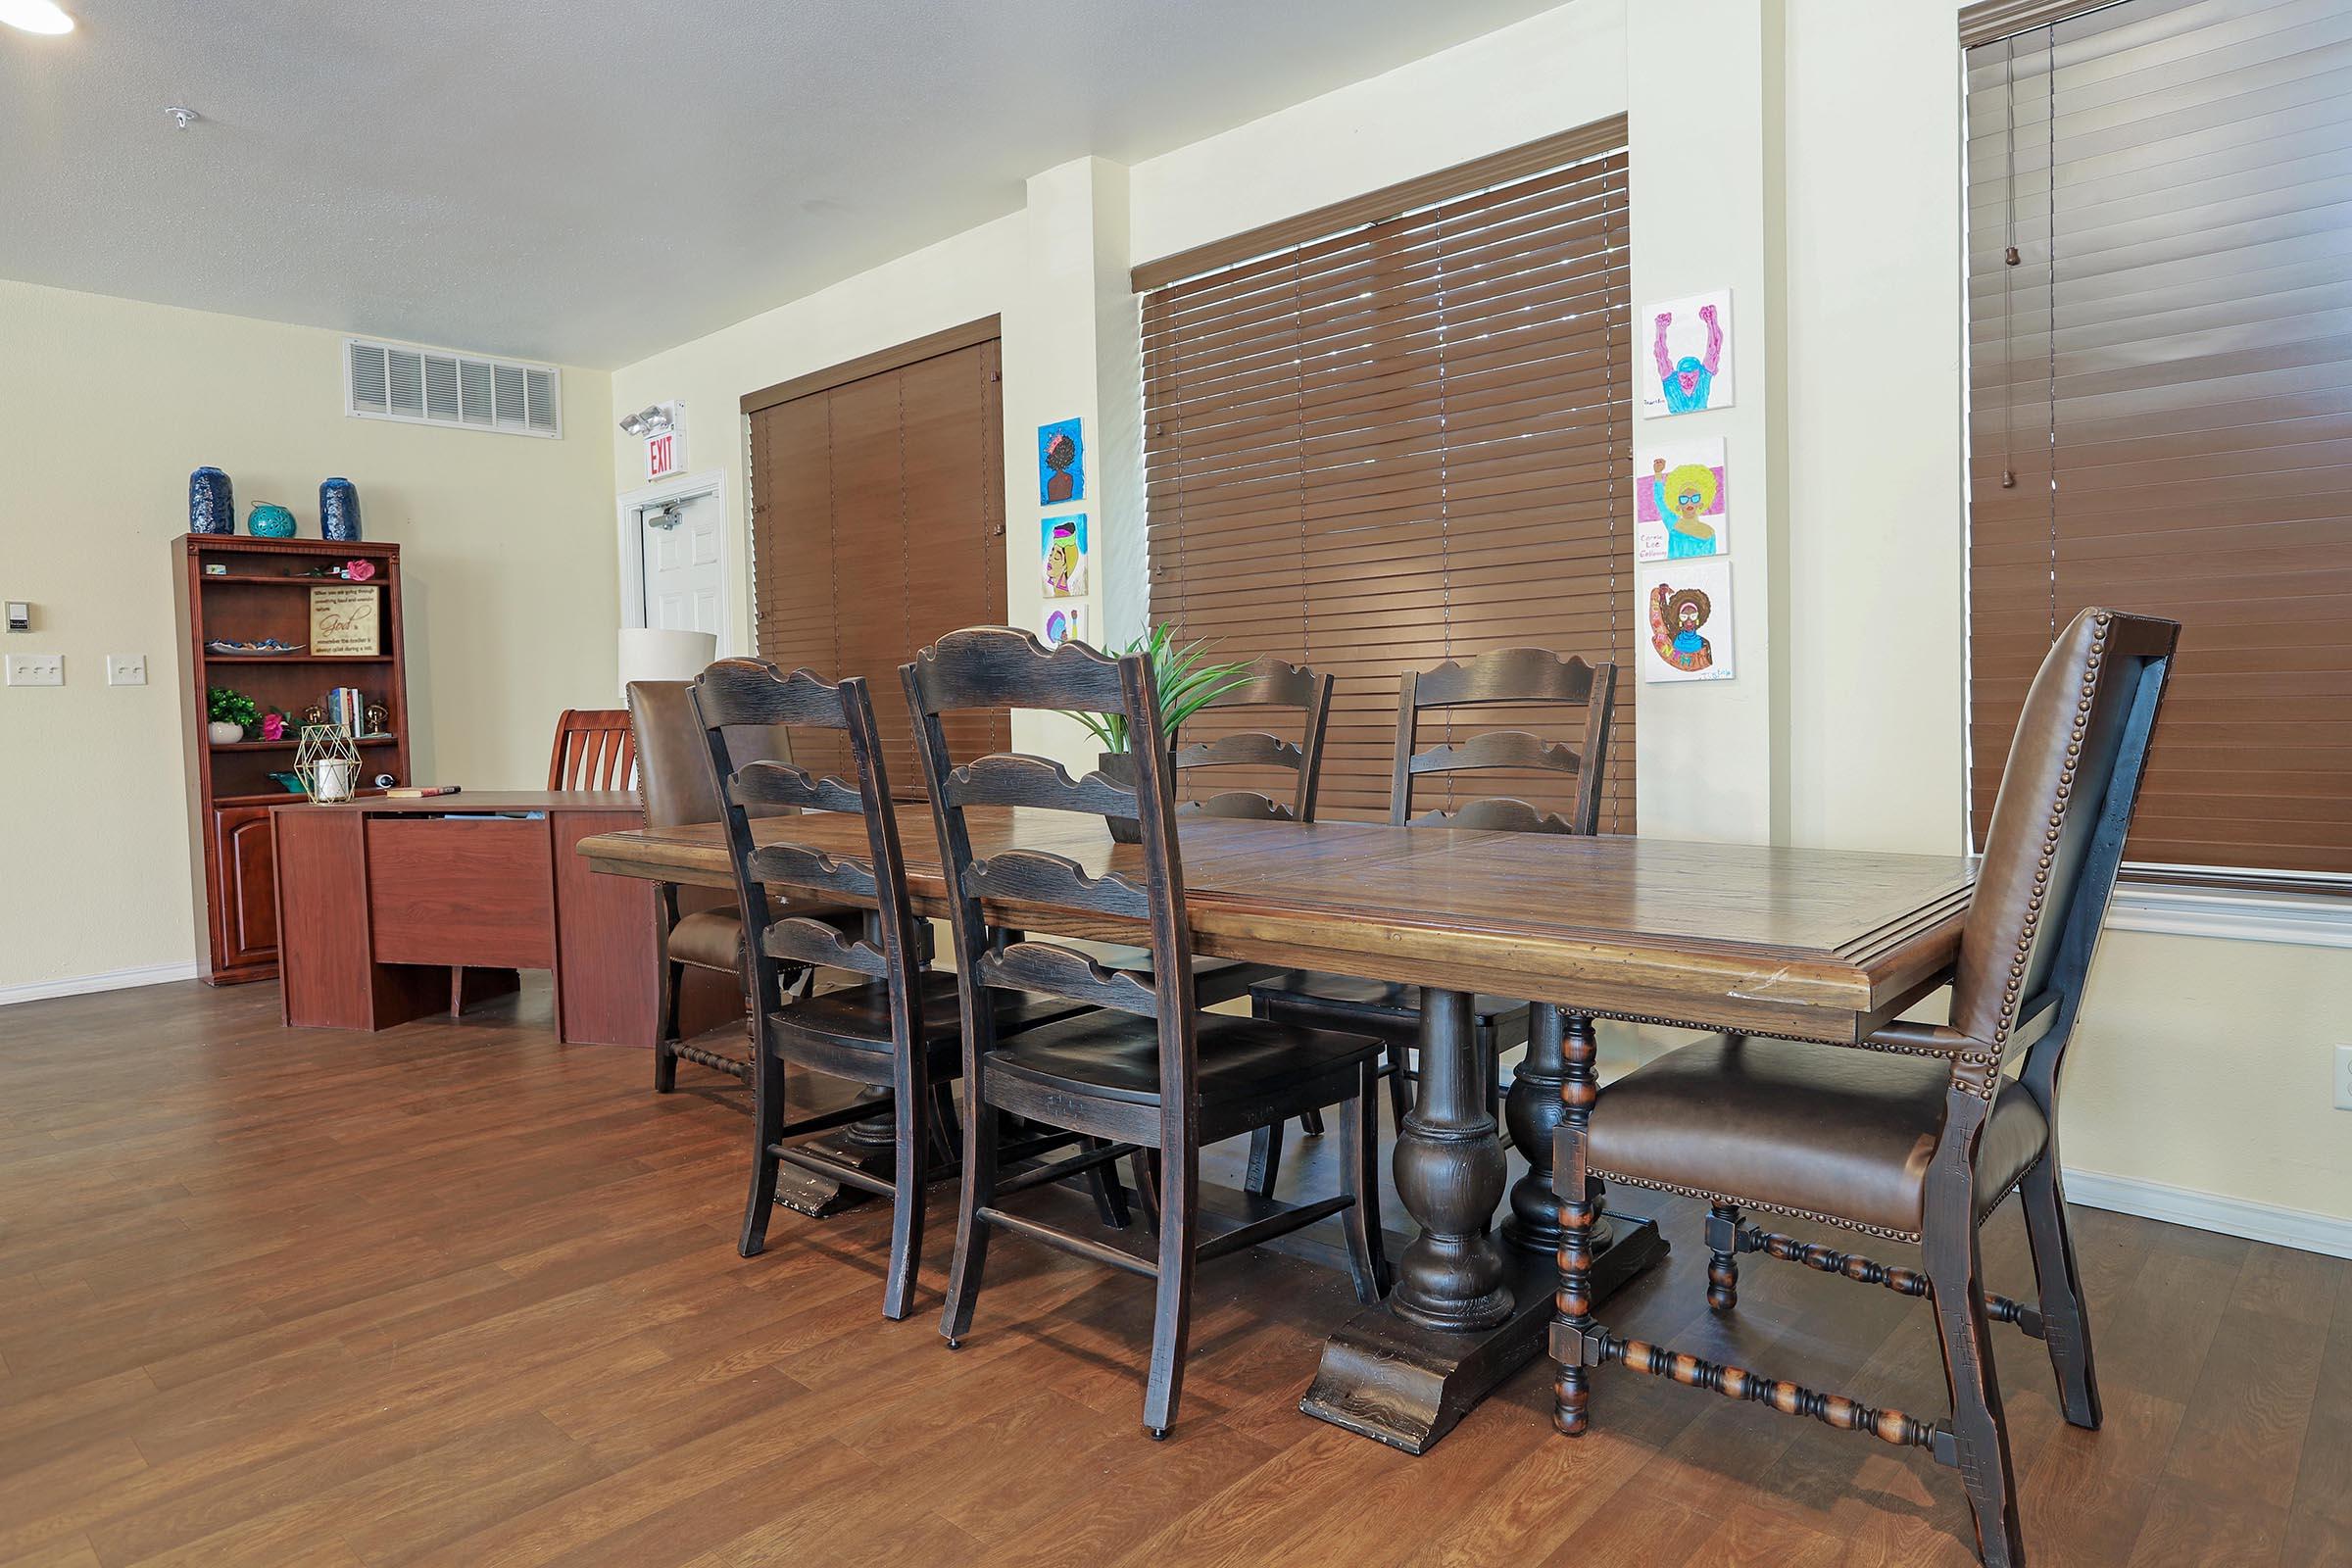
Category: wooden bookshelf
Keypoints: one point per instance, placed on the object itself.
(230, 793)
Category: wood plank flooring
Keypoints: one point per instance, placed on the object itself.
(457, 1294)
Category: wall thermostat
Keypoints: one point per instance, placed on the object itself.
(19, 615)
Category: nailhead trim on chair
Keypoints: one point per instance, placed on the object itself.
(1984, 1086)
(1841, 1223)
(1751, 1202)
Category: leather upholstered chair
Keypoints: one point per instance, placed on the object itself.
(1920, 1131)
(702, 927)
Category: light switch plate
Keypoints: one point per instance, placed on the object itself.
(127, 669)
(36, 669)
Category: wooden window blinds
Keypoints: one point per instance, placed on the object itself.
(2161, 400)
(878, 525)
(1396, 432)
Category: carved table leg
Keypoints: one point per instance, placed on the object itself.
(1466, 1312)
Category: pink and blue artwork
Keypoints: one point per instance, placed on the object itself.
(1060, 463)
(1687, 355)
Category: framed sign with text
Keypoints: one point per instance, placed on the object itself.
(346, 618)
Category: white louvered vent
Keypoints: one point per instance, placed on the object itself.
(428, 387)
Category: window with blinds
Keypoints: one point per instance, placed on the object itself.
(2160, 328)
(878, 526)
(1396, 432)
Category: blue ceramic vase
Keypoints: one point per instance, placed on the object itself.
(339, 511)
(210, 507)
(269, 521)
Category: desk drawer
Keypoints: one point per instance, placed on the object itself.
(459, 891)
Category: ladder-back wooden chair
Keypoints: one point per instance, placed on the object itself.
(895, 1026)
(702, 928)
(1147, 1073)
(1530, 680)
(1917, 1133)
(595, 749)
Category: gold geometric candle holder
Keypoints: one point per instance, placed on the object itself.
(327, 762)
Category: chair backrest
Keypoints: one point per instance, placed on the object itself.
(2058, 827)
(998, 666)
(1272, 684)
(736, 695)
(1523, 677)
(594, 750)
(674, 755)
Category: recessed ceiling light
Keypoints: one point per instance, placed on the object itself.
(35, 16)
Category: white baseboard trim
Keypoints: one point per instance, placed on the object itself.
(2209, 1211)
(146, 974)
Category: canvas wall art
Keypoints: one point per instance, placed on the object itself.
(1690, 609)
(1061, 554)
(1681, 500)
(1062, 623)
(1687, 359)
(1060, 463)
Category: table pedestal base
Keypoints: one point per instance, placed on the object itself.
(1386, 1377)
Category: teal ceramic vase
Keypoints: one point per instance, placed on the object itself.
(269, 520)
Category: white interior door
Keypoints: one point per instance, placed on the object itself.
(680, 540)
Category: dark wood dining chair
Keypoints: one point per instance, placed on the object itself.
(1297, 700)
(1917, 1134)
(595, 749)
(1531, 680)
(894, 1027)
(1147, 1073)
(702, 928)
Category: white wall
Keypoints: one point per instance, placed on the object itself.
(962, 278)
(510, 588)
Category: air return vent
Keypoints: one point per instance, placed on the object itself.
(428, 387)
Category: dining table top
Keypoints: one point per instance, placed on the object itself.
(1810, 943)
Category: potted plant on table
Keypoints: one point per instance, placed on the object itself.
(1187, 683)
(229, 715)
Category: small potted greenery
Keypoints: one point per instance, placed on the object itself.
(1187, 683)
(229, 713)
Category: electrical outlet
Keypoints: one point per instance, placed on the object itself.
(127, 669)
(2343, 1077)
(36, 669)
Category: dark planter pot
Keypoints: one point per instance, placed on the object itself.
(339, 511)
(1119, 768)
(211, 507)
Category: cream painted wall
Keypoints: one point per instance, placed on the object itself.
(511, 582)
(962, 278)
(1824, 184)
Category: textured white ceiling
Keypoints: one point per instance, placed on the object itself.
(591, 180)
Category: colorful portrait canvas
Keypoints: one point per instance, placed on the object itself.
(1687, 354)
(1062, 623)
(1688, 605)
(1060, 463)
(1681, 500)
(1061, 554)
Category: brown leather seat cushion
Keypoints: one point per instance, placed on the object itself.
(712, 939)
(1338, 996)
(1115, 1055)
(859, 1015)
(1822, 1129)
(708, 939)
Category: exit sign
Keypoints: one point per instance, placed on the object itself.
(664, 455)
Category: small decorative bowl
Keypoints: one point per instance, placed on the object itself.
(269, 521)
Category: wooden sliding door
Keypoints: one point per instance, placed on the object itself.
(878, 523)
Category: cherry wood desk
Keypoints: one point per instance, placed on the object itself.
(1803, 944)
(378, 900)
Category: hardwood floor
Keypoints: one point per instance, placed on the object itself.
(457, 1294)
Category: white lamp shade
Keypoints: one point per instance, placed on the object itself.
(652, 653)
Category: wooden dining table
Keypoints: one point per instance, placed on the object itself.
(1790, 943)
